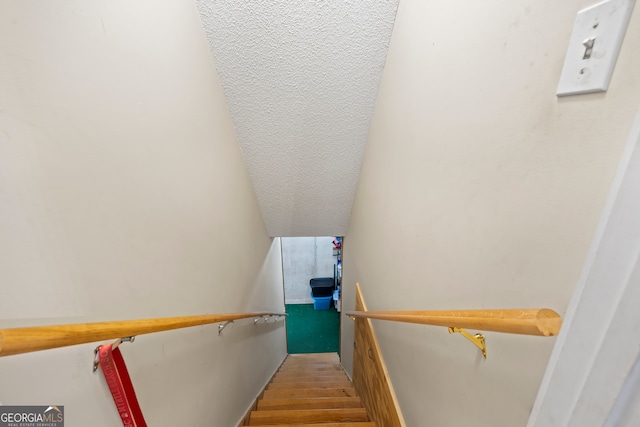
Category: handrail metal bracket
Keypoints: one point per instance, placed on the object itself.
(258, 319)
(127, 339)
(265, 318)
(114, 345)
(223, 325)
(477, 339)
(96, 359)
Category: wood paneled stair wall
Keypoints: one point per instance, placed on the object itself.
(309, 390)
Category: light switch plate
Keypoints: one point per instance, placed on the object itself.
(601, 26)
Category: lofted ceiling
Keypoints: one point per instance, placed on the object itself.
(301, 78)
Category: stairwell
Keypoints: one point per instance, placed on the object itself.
(310, 390)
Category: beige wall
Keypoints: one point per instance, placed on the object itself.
(480, 189)
(123, 195)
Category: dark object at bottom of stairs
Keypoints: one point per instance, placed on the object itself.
(322, 286)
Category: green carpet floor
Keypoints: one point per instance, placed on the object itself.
(312, 331)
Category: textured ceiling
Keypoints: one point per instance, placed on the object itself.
(301, 79)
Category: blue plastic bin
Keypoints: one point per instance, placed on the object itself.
(322, 303)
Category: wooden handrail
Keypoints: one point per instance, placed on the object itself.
(25, 340)
(536, 321)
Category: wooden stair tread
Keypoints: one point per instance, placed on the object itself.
(310, 379)
(306, 356)
(354, 424)
(304, 374)
(312, 364)
(307, 385)
(318, 392)
(258, 418)
(323, 368)
(309, 403)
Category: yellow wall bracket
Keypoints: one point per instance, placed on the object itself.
(477, 339)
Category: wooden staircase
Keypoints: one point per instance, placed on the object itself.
(310, 390)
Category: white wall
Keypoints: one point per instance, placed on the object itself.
(480, 189)
(305, 258)
(123, 195)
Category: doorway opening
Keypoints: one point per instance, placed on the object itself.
(312, 270)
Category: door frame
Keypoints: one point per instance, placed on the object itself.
(594, 369)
